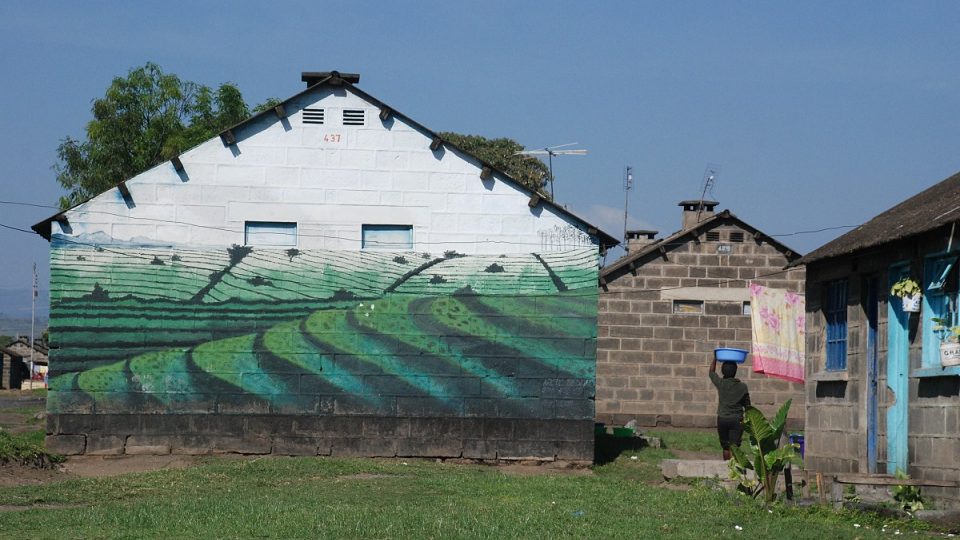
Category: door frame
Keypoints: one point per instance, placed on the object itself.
(898, 383)
(872, 310)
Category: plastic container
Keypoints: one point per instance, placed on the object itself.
(797, 438)
(738, 356)
(623, 432)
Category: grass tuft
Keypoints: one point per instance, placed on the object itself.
(26, 449)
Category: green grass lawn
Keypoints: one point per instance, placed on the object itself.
(325, 497)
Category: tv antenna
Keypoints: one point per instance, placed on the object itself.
(551, 151)
(709, 179)
(627, 186)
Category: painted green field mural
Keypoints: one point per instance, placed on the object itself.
(252, 330)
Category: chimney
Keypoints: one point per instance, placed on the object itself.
(336, 78)
(638, 239)
(696, 211)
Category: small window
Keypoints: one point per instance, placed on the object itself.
(713, 236)
(940, 273)
(685, 307)
(746, 309)
(313, 116)
(388, 237)
(270, 233)
(736, 237)
(353, 117)
(835, 309)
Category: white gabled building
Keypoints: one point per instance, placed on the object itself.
(225, 300)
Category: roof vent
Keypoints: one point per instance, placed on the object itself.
(736, 237)
(695, 211)
(333, 77)
(713, 236)
(353, 117)
(313, 116)
(637, 239)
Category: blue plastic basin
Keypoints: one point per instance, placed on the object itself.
(730, 355)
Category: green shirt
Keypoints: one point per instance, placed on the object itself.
(734, 397)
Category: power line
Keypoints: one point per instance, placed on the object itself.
(354, 239)
(714, 284)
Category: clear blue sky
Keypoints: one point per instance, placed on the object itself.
(819, 113)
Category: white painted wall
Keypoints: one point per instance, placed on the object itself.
(330, 179)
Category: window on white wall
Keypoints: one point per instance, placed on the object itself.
(388, 237)
(270, 233)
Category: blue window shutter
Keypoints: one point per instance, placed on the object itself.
(936, 303)
(388, 237)
(836, 314)
(940, 271)
(270, 233)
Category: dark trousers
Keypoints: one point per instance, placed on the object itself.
(730, 430)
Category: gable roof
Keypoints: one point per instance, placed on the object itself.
(316, 80)
(930, 209)
(661, 244)
(11, 353)
(25, 342)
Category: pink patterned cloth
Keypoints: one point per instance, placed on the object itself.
(778, 319)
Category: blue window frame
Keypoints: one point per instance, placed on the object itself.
(939, 303)
(835, 309)
(388, 237)
(270, 233)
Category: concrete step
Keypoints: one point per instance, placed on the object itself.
(695, 468)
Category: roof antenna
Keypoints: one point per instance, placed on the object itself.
(709, 179)
(627, 186)
(552, 151)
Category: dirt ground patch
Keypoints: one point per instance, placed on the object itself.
(97, 466)
(541, 470)
(18, 475)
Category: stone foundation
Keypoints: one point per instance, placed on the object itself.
(297, 435)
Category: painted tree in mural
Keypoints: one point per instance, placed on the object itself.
(143, 119)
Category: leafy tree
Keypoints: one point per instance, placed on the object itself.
(502, 154)
(143, 119)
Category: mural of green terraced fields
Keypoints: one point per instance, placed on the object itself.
(252, 330)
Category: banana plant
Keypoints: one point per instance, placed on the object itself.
(765, 457)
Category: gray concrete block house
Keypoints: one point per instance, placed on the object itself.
(669, 302)
(879, 398)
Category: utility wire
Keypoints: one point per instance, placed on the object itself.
(545, 242)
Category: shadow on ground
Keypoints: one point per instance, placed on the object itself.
(606, 447)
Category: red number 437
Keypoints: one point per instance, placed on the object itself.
(331, 137)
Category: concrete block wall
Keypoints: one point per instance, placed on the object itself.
(652, 363)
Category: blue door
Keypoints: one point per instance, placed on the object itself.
(898, 345)
(872, 310)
